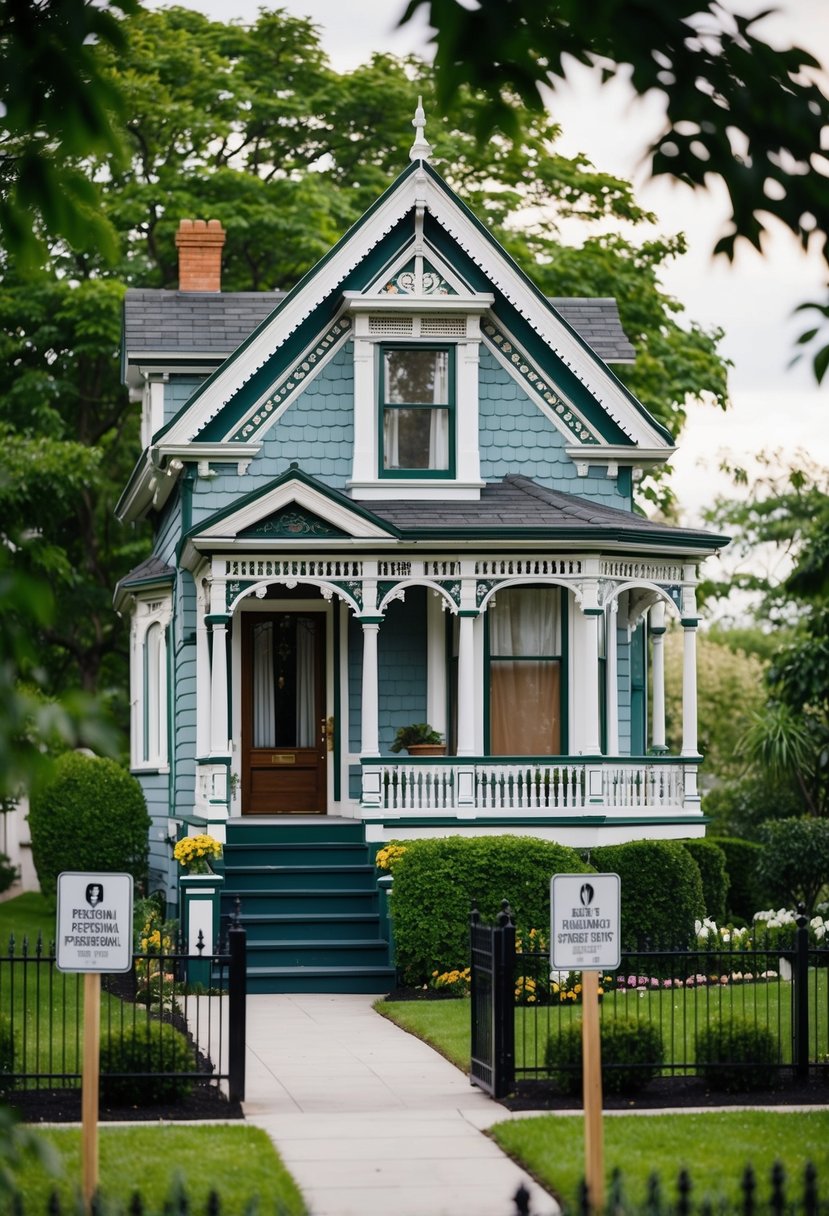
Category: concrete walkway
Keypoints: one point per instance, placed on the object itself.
(368, 1119)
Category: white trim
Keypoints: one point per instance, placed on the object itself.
(151, 608)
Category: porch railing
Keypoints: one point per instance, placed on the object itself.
(489, 785)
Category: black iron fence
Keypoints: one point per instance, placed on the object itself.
(173, 1024)
(519, 1005)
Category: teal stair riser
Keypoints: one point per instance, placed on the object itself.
(305, 878)
(301, 901)
(309, 982)
(341, 927)
(253, 831)
(290, 853)
(318, 954)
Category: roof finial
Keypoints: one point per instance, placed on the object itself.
(420, 149)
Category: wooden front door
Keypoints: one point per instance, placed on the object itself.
(284, 758)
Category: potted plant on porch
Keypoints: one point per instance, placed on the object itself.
(419, 739)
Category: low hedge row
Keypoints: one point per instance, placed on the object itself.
(661, 891)
(713, 871)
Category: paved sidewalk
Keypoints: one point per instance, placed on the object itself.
(368, 1119)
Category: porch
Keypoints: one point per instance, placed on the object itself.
(482, 787)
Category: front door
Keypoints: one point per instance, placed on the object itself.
(283, 713)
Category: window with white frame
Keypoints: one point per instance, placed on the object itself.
(149, 682)
(417, 396)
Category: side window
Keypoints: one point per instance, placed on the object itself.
(417, 407)
(149, 680)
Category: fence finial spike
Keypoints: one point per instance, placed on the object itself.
(521, 1200)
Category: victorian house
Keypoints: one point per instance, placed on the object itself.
(400, 493)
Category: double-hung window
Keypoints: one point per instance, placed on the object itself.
(417, 407)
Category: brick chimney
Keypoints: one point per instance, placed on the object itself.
(199, 245)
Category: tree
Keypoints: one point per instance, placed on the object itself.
(57, 109)
(794, 864)
(253, 127)
(786, 511)
(736, 108)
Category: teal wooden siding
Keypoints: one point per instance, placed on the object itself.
(402, 666)
(183, 706)
(638, 691)
(623, 685)
(161, 866)
(516, 437)
(177, 392)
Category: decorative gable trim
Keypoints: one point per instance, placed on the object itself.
(536, 385)
(297, 506)
(292, 382)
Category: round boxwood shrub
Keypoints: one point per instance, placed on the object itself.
(661, 891)
(710, 861)
(632, 1055)
(91, 815)
(735, 1055)
(435, 882)
(146, 1055)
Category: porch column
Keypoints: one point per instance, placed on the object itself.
(656, 623)
(219, 735)
(612, 678)
(591, 738)
(369, 724)
(466, 682)
(689, 688)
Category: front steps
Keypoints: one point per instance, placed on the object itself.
(309, 903)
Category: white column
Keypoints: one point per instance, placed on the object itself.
(656, 625)
(203, 681)
(689, 689)
(435, 663)
(588, 677)
(219, 736)
(466, 683)
(612, 678)
(369, 723)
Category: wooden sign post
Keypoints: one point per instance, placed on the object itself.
(585, 925)
(94, 935)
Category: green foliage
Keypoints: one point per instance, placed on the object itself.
(741, 860)
(794, 863)
(661, 890)
(632, 1054)
(740, 808)
(736, 1055)
(90, 815)
(417, 732)
(436, 881)
(153, 1049)
(19, 1148)
(711, 862)
(769, 93)
(8, 872)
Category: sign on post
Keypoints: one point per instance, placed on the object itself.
(94, 935)
(585, 916)
(585, 936)
(94, 930)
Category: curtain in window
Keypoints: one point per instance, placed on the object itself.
(525, 674)
(305, 682)
(264, 720)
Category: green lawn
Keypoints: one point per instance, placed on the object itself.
(239, 1162)
(679, 1013)
(25, 916)
(715, 1147)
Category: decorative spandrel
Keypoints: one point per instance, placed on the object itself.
(293, 522)
(407, 282)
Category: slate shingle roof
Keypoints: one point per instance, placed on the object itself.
(520, 504)
(153, 569)
(203, 323)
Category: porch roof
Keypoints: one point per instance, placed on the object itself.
(152, 572)
(519, 506)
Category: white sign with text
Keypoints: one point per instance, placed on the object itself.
(94, 923)
(585, 922)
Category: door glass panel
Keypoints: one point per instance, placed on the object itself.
(284, 672)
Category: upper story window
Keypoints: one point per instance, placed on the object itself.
(417, 405)
(149, 682)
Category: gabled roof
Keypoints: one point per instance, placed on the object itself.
(212, 325)
(152, 572)
(419, 189)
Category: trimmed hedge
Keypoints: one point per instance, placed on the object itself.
(661, 891)
(710, 860)
(147, 1055)
(91, 815)
(435, 882)
(745, 896)
(632, 1053)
